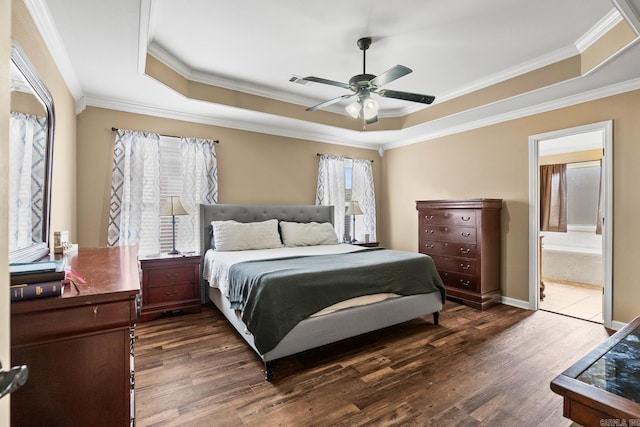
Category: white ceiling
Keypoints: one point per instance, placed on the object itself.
(256, 46)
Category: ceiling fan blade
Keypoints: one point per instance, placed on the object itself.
(407, 96)
(390, 75)
(329, 102)
(313, 79)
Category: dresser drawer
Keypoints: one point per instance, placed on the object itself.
(457, 265)
(460, 281)
(172, 293)
(167, 276)
(449, 217)
(436, 247)
(449, 234)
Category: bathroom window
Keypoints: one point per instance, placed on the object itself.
(583, 186)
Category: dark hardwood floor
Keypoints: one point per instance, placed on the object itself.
(476, 368)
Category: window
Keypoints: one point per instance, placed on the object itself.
(583, 184)
(348, 180)
(170, 185)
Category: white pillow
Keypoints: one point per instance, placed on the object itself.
(307, 234)
(238, 236)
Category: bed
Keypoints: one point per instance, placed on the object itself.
(231, 278)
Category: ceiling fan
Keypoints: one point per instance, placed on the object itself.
(363, 85)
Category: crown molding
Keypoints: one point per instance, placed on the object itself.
(144, 33)
(281, 128)
(544, 107)
(630, 11)
(42, 18)
(598, 30)
(302, 130)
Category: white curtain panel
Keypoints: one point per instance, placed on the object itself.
(134, 217)
(28, 136)
(330, 190)
(199, 185)
(362, 190)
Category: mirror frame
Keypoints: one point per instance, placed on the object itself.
(41, 249)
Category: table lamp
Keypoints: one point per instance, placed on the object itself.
(172, 207)
(353, 209)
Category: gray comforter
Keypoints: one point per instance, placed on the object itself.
(275, 295)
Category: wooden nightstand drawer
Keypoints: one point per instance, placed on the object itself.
(167, 276)
(172, 293)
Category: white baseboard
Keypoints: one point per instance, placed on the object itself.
(615, 325)
(516, 303)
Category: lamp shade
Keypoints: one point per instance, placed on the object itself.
(369, 108)
(171, 206)
(353, 208)
(354, 109)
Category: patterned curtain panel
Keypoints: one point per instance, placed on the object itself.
(363, 192)
(28, 136)
(134, 217)
(553, 198)
(330, 190)
(199, 185)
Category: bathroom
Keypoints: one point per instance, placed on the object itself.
(572, 263)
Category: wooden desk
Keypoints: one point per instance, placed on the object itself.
(79, 348)
(603, 388)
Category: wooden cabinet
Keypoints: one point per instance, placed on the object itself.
(463, 238)
(169, 282)
(79, 347)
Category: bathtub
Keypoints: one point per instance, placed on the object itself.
(574, 256)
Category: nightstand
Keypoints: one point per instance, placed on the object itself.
(367, 244)
(169, 282)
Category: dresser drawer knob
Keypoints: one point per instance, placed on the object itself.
(465, 282)
(463, 234)
(466, 218)
(171, 293)
(428, 231)
(465, 267)
(465, 251)
(428, 217)
(171, 275)
(429, 246)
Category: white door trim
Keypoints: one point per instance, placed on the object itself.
(534, 212)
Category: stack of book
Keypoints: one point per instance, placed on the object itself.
(36, 280)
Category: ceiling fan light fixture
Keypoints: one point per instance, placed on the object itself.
(354, 109)
(369, 108)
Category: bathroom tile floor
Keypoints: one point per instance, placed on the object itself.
(573, 299)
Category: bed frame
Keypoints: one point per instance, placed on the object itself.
(315, 331)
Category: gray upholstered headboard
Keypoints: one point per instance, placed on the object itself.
(254, 213)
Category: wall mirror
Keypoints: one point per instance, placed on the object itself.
(31, 128)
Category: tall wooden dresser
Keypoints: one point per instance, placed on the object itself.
(79, 347)
(463, 238)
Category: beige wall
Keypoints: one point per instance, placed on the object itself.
(5, 318)
(493, 162)
(252, 167)
(63, 196)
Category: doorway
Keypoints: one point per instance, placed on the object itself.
(572, 260)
